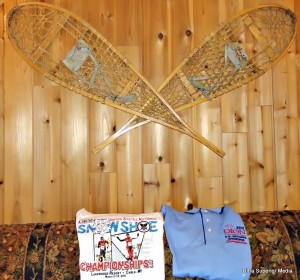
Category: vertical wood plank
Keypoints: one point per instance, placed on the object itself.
(156, 186)
(293, 160)
(208, 166)
(102, 123)
(101, 15)
(209, 192)
(269, 158)
(47, 153)
(2, 20)
(128, 37)
(208, 123)
(102, 119)
(130, 156)
(280, 126)
(297, 61)
(75, 188)
(2, 147)
(103, 193)
(286, 118)
(101, 126)
(280, 133)
(75, 137)
(206, 119)
(234, 111)
(182, 148)
(157, 40)
(236, 182)
(261, 158)
(256, 158)
(285, 3)
(235, 173)
(18, 202)
(112, 194)
(150, 189)
(229, 8)
(297, 39)
(205, 18)
(130, 173)
(260, 90)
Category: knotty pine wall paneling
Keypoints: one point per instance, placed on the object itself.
(182, 168)
(206, 119)
(47, 133)
(128, 37)
(102, 122)
(285, 127)
(18, 171)
(156, 65)
(2, 149)
(102, 119)
(75, 116)
(157, 186)
(235, 169)
(47, 161)
(261, 153)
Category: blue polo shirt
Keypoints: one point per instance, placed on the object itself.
(208, 243)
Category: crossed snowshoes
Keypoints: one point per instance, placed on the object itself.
(70, 52)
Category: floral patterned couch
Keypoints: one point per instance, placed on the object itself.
(50, 251)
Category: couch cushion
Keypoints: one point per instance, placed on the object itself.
(39, 251)
(50, 250)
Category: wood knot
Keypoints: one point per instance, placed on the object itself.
(160, 35)
(101, 164)
(188, 32)
(261, 165)
(190, 206)
(173, 180)
(154, 183)
(238, 118)
(160, 158)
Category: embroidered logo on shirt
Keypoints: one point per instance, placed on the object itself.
(235, 234)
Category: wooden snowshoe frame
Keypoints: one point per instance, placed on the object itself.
(209, 72)
(70, 52)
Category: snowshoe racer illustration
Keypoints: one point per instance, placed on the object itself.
(128, 239)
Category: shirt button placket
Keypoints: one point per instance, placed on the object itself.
(208, 227)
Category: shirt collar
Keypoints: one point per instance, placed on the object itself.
(214, 210)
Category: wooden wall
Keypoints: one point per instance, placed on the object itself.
(47, 169)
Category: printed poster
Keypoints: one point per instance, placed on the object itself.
(120, 246)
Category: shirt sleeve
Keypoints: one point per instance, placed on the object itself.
(164, 209)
